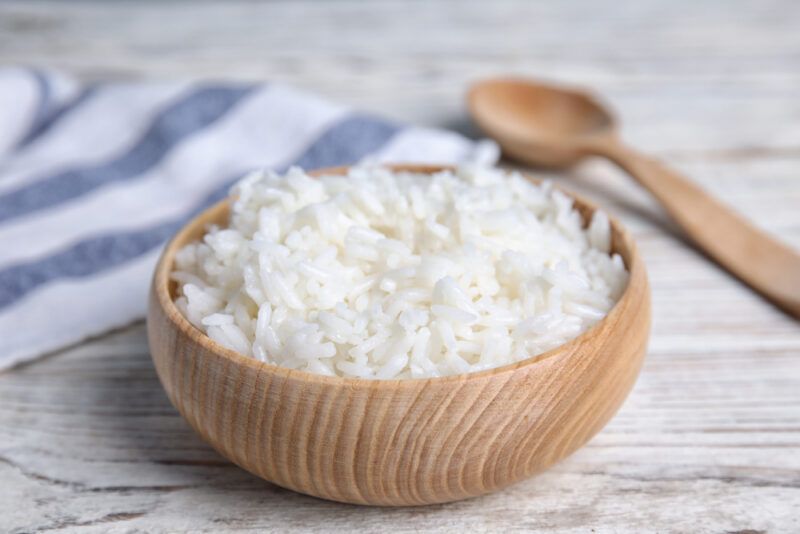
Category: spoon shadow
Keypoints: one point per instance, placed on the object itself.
(584, 181)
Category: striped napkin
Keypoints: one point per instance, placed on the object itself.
(94, 178)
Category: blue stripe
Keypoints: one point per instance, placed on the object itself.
(45, 97)
(41, 127)
(344, 143)
(183, 118)
(347, 142)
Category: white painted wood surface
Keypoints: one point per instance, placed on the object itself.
(709, 440)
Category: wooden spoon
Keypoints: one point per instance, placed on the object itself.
(554, 126)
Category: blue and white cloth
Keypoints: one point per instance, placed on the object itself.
(95, 178)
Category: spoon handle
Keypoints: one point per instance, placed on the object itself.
(766, 265)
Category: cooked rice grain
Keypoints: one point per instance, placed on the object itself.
(388, 275)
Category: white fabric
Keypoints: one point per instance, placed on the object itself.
(94, 179)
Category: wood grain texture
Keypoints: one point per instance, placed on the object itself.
(398, 442)
(709, 439)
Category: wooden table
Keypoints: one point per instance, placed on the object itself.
(710, 438)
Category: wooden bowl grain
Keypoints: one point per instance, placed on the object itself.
(398, 442)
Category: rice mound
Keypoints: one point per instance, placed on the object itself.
(382, 274)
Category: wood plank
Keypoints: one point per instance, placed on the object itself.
(710, 438)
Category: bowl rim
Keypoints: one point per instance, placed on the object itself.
(164, 267)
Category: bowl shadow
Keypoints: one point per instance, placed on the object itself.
(155, 451)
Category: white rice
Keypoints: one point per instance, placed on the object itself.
(398, 275)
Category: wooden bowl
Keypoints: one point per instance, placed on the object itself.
(398, 442)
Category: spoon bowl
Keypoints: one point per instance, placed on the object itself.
(398, 442)
(538, 123)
